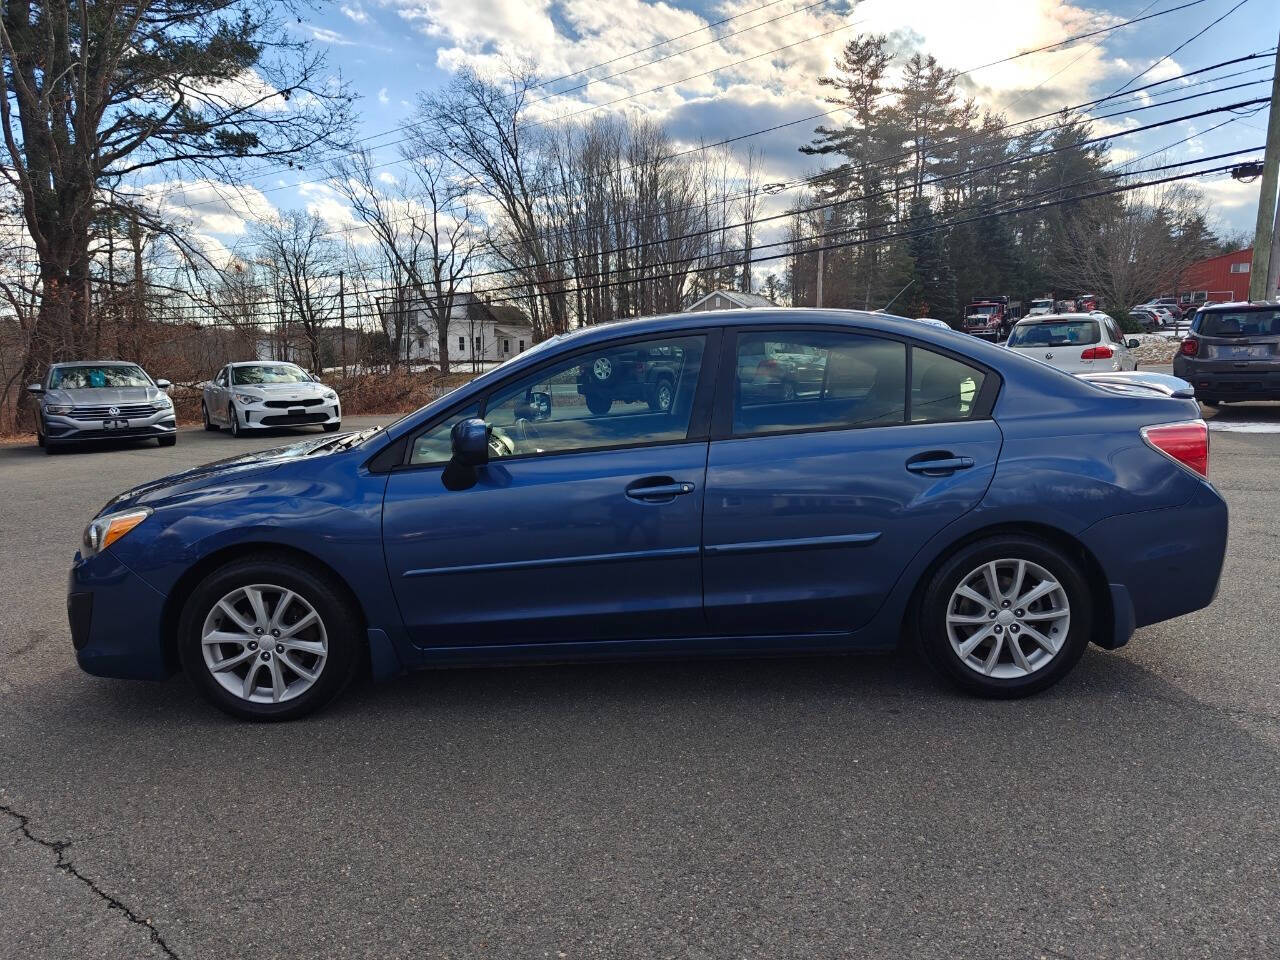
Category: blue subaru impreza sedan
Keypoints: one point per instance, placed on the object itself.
(739, 482)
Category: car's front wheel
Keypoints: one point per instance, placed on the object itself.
(233, 420)
(268, 638)
(1006, 616)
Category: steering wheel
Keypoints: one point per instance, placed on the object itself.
(525, 430)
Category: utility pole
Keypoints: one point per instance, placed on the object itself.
(1264, 270)
(342, 318)
(818, 299)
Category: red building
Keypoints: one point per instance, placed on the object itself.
(1218, 279)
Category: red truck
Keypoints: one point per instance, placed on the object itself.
(991, 318)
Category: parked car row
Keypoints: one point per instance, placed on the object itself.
(83, 402)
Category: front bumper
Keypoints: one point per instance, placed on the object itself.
(1243, 380)
(115, 620)
(162, 423)
(258, 416)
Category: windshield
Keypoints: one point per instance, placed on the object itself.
(983, 310)
(1061, 333)
(1240, 323)
(1045, 304)
(268, 373)
(98, 375)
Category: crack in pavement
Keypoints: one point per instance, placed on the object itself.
(59, 847)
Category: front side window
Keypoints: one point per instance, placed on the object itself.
(98, 375)
(629, 394)
(815, 379)
(436, 444)
(942, 388)
(268, 373)
(1059, 333)
(222, 378)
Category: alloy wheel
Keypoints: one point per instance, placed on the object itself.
(264, 643)
(602, 369)
(1008, 619)
(664, 396)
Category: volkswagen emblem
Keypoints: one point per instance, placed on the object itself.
(114, 411)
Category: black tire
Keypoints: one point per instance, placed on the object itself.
(1210, 402)
(662, 387)
(209, 425)
(168, 441)
(51, 446)
(603, 370)
(332, 427)
(233, 420)
(39, 435)
(599, 403)
(932, 622)
(341, 620)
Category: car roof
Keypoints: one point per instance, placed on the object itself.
(262, 363)
(1244, 305)
(93, 363)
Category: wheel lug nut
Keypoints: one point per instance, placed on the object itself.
(999, 629)
(992, 614)
(275, 633)
(1004, 603)
(1014, 629)
(266, 654)
(279, 648)
(253, 644)
(258, 631)
(1019, 612)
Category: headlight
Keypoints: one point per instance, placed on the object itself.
(248, 398)
(58, 408)
(329, 395)
(162, 402)
(109, 528)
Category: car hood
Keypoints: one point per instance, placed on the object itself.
(103, 396)
(233, 469)
(282, 391)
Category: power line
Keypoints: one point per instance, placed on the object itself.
(817, 116)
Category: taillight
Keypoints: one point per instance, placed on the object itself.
(1186, 442)
(1098, 353)
(1190, 346)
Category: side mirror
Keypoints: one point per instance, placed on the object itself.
(1133, 343)
(536, 406)
(470, 439)
(163, 384)
(35, 389)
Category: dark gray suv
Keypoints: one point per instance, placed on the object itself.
(1232, 352)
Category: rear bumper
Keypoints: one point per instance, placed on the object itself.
(1253, 381)
(115, 620)
(1161, 564)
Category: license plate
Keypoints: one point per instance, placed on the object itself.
(1255, 352)
(297, 411)
(115, 424)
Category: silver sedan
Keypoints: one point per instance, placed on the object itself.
(267, 394)
(102, 400)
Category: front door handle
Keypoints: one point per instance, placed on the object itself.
(658, 490)
(937, 464)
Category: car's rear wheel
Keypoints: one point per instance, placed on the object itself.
(267, 638)
(599, 403)
(204, 416)
(1006, 616)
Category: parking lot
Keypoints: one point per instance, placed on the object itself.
(801, 808)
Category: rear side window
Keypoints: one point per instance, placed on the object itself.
(1059, 333)
(1239, 323)
(808, 380)
(942, 388)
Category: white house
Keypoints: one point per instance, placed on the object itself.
(729, 300)
(478, 332)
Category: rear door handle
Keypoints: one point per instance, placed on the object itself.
(938, 465)
(658, 490)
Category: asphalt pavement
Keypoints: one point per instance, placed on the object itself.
(834, 807)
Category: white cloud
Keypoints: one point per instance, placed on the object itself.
(209, 207)
(355, 12)
(325, 35)
(383, 98)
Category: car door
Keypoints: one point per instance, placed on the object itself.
(216, 402)
(582, 526)
(815, 504)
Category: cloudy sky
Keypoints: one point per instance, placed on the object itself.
(390, 50)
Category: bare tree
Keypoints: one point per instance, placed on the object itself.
(300, 256)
